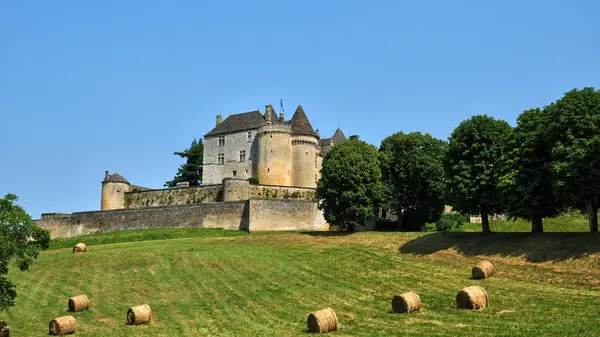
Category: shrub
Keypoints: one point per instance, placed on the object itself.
(450, 221)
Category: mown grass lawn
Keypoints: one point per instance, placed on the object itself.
(202, 283)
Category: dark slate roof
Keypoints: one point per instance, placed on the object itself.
(301, 125)
(115, 178)
(238, 122)
(338, 136)
(325, 144)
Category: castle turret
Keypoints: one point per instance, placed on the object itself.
(113, 191)
(274, 155)
(305, 151)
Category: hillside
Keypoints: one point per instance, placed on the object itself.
(214, 283)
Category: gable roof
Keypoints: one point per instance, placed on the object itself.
(238, 122)
(301, 125)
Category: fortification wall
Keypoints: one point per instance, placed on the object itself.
(174, 196)
(278, 214)
(227, 215)
(281, 192)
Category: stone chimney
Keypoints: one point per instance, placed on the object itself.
(219, 119)
(281, 117)
(268, 110)
(106, 174)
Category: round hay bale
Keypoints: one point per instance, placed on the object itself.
(78, 303)
(472, 298)
(139, 315)
(80, 248)
(4, 330)
(64, 325)
(324, 320)
(406, 303)
(483, 270)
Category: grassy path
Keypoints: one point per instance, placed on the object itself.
(266, 286)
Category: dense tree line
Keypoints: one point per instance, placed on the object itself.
(547, 163)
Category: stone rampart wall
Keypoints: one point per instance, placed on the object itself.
(281, 192)
(227, 215)
(287, 215)
(174, 196)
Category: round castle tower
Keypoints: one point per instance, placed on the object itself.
(274, 155)
(113, 191)
(305, 151)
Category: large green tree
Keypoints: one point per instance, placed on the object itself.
(349, 190)
(527, 181)
(574, 130)
(413, 177)
(20, 244)
(471, 165)
(191, 171)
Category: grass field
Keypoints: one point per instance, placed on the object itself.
(220, 283)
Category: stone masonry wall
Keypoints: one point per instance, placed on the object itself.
(281, 192)
(277, 215)
(227, 215)
(174, 196)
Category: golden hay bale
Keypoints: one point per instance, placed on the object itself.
(406, 303)
(78, 303)
(483, 270)
(62, 325)
(80, 248)
(324, 320)
(472, 298)
(139, 315)
(4, 330)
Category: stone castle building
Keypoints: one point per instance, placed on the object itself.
(266, 146)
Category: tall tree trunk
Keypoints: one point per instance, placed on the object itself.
(485, 223)
(536, 224)
(592, 213)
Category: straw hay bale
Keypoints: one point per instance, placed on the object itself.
(139, 315)
(406, 303)
(62, 325)
(324, 320)
(80, 248)
(4, 330)
(483, 270)
(472, 298)
(79, 303)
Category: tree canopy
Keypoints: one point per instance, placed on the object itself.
(471, 166)
(349, 190)
(413, 177)
(20, 244)
(574, 131)
(191, 171)
(527, 181)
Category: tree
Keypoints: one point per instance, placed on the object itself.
(527, 180)
(471, 166)
(350, 186)
(413, 177)
(20, 244)
(191, 171)
(574, 131)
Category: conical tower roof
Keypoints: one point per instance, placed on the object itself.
(338, 136)
(301, 125)
(115, 178)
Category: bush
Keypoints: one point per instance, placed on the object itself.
(450, 221)
(253, 180)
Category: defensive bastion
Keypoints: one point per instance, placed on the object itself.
(234, 204)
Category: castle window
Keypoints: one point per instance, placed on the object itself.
(316, 178)
(271, 151)
(268, 170)
(316, 163)
(221, 140)
(307, 153)
(384, 213)
(249, 136)
(242, 156)
(221, 159)
(234, 173)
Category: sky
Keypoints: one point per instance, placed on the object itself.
(89, 86)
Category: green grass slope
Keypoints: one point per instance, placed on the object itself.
(208, 284)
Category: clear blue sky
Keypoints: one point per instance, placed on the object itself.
(89, 86)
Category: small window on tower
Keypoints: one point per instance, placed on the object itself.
(221, 140)
(316, 178)
(249, 136)
(234, 173)
(221, 159)
(242, 156)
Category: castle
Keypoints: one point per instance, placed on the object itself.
(259, 173)
(276, 151)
